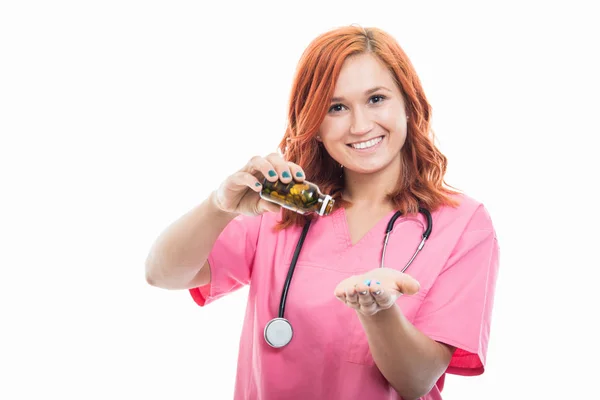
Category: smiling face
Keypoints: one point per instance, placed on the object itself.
(365, 126)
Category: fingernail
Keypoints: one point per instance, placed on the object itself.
(368, 282)
(363, 293)
(257, 184)
(377, 282)
(377, 293)
(272, 173)
(285, 174)
(299, 174)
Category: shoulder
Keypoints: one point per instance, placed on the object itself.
(469, 215)
(466, 234)
(263, 224)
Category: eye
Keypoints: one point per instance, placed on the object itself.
(377, 98)
(336, 108)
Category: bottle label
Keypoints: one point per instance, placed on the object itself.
(294, 196)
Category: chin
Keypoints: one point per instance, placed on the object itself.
(362, 168)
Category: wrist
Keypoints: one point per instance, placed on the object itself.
(215, 209)
(380, 316)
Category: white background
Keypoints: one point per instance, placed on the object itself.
(116, 117)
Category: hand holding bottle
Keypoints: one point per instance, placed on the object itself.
(239, 193)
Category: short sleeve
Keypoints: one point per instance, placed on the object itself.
(230, 259)
(457, 309)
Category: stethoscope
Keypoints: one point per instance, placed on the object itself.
(279, 332)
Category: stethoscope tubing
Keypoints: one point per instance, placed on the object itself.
(424, 237)
(288, 279)
(388, 231)
(279, 331)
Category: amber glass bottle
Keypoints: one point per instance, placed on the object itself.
(301, 197)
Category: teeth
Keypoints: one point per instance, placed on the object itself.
(367, 144)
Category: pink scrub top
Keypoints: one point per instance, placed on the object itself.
(329, 357)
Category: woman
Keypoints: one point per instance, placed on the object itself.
(359, 127)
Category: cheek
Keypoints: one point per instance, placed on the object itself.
(400, 128)
(394, 121)
(333, 129)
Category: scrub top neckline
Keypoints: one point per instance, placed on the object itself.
(340, 223)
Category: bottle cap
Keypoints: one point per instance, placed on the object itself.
(326, 201)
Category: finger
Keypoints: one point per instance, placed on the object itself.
(340, 295)
(383, 298)
(246, 179)
(339, 292)
(352, 298)
(367, 302)
(282, 167)
(269, 206)
(263, 166)
(297, 172)
(365, 298)
(375, 288)
(362, 288)
(407, 284)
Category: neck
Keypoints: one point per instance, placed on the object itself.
(371, 189)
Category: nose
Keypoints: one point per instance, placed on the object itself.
(361, 122)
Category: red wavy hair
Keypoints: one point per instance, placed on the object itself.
(423, 165)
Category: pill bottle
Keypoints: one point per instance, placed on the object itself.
(301, 197)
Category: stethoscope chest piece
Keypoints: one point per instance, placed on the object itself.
(278, 332)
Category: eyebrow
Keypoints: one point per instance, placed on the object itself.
(368, 92)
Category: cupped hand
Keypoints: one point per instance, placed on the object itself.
(375, 290)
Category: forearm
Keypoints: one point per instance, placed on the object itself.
(410, 361)
(182, 249)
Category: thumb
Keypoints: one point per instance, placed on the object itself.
(268, 206)
(407, 284)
